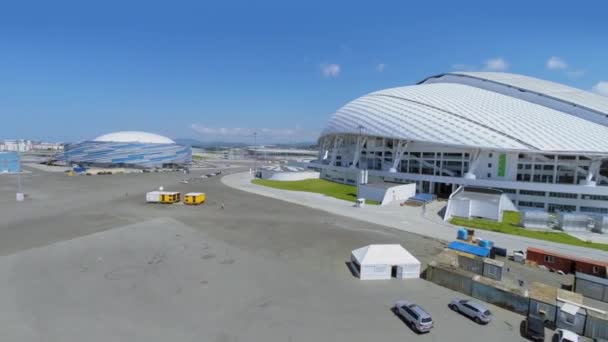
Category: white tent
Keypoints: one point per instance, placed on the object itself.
(385, 262)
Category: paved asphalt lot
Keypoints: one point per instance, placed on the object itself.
(85, 258)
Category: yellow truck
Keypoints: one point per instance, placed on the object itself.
(163, 197)
(195, 198)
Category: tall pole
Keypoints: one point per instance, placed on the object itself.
(255, 153)
(18, 172)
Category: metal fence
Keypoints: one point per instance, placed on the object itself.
(508, 300)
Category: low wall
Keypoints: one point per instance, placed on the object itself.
(457, 280)
(452, 279)
(387, 194)
(504, 299)
(289, 176)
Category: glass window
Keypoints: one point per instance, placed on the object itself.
(561, 207)
(532, 193)
(594, 210)
(549, 258)
(531, 204)
(489, 165)
(570, 319)
(595, 197)
(562, 195)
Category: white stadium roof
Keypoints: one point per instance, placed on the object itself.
(556, 91)
(133, 136)
(466, 115)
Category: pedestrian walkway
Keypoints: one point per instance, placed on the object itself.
(406, 218)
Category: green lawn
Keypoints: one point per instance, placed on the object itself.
(510, 225)
(320, 186)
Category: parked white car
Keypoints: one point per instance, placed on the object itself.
(414, 315)
(564, 335)
(473, 309)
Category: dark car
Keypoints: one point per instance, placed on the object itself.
(534, 329)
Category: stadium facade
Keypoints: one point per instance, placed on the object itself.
(543, 144)
(127, 149)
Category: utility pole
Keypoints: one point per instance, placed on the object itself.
(255, 153)
(19, 195)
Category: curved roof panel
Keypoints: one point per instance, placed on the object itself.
(585, 104)
(133, 136)
(462, 115)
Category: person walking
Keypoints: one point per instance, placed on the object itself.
(423, 208)
(222, 206)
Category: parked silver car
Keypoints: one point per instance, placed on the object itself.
(474, 310)
(415, 316)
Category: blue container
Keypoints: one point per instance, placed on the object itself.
(462, 234)
(484, 243)
(468, 248)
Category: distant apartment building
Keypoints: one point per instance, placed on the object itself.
(23, 145)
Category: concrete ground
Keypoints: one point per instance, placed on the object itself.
(85, 258)
(406, 218)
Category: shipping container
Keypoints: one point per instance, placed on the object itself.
(162, 197)
(195, 198)
(591, 286)
(565, 263)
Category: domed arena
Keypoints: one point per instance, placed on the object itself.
(128, 149)
(543, 144)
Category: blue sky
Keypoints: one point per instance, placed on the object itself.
(220, 70)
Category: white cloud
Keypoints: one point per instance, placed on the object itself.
(601, 88)
(330, 70)
(556, 63)
(380, 67)
(496, 64)
(245, 134)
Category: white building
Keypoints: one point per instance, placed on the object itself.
(22, 145)
(375, 262)
(283, 172)
(543, 144)
(469, 202)
(273, 153)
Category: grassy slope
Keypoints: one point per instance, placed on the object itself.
(320, 186)
(510, 225)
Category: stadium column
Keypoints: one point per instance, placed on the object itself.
(360, 141)
(334, 151)
(592, 173)
(322, 149)
(398, 155)
(473, 163)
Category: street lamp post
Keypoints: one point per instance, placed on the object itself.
(255, 153)
(19, 195)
